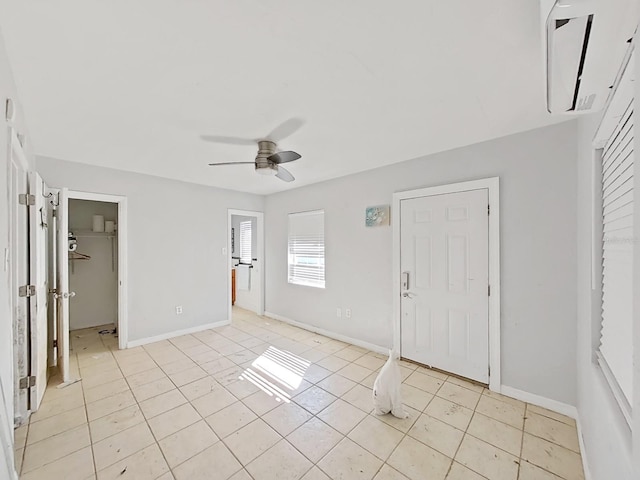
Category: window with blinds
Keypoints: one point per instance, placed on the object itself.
(245, 242)
(306, 248)
(616, 343)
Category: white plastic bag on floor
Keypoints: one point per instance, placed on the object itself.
(386, 389)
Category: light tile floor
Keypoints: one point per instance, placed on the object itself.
(264, 400)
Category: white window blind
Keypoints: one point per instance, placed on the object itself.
(306, 248)
(245, 242)
(616, 347)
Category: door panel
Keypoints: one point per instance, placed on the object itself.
(52, 278)
(62, 271)
(38, 277)
(19, 276)
(445, 309)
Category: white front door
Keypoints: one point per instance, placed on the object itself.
(38, 224)
(444, 259)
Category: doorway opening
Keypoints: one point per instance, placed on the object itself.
(93, 272)
(245, 261)
(446, 278)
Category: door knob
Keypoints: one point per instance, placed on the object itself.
(407, 294)
(68, 294)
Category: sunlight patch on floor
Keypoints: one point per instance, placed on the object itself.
(276, 371)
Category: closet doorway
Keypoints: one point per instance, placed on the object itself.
(91, 260)
(93, 268)
(246, 261)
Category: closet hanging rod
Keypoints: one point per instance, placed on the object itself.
(238, 258)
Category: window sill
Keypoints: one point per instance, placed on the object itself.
(303, 284)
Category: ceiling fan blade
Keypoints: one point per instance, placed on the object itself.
(284, 174)
(285, 129)
(231, 163)
(284, 157)
(228, 140)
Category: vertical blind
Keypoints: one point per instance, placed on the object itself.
(306, 248)
(245, 241)
(616, 347)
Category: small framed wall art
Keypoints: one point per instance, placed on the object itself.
(377, 216)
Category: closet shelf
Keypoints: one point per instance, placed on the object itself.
(89, 233)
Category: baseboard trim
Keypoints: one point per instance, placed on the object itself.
(540, 401)
(176, 333)
(330, 334)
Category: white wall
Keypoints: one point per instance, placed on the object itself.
(610, 448)
(176, 234)
(7, 90)
(95, 281)
(247, 299)
(538, 228)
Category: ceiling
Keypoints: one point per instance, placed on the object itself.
(133, 84)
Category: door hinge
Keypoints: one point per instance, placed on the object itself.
(26, 199)
(27, 382)
(54, 213)
(55, 344)
(27, 291)
(489, 290)
(488, 209)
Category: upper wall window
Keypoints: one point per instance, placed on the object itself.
(306, 248)
(245, 241)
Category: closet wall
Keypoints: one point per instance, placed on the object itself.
(95, 281)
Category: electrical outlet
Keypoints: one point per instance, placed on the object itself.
(339, 312)
(347, 313)
(179, 310)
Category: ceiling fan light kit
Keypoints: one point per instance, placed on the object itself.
(268, 169)
(267, 161)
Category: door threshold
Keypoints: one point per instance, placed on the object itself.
(444, 372)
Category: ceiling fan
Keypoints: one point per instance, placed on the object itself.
(268, 161)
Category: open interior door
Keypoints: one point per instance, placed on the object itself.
(38, 284)
(52, 277)
(19, 276)
(63, 293)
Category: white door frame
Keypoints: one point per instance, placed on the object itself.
(123, 317)
(493, 186)
(260, 254)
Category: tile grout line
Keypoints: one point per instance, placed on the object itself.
(406, 434)
(524, 421)
(281, 336)
(24, 449)
(60, 433)
(95, 466)
(157, 442)
(137, 404)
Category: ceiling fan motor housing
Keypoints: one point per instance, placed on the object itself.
(266, 148)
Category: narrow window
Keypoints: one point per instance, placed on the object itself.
(306, 248)
(245, 242)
